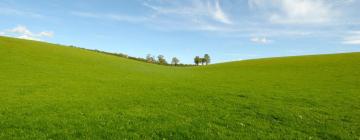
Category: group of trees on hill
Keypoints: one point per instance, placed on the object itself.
(160, 59)
(204, 60)
(176, 62)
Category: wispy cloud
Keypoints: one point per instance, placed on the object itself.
(260, 40)
(219, 14)
(195, 15)
(352, 39)
(296, 11)
(17, 12)
(270, 18)
(24, 33)
(46, 34)
(171, 15)
(109, 16)
(192, 10)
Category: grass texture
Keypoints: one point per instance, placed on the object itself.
(50, 91)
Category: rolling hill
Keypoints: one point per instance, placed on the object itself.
(49, 91)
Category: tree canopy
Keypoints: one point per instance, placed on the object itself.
(205, 60)
(175, 61)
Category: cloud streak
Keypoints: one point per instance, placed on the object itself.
(260, 40)
(270, 18)
(200, 10)
(352, 39)
(219, 14)
(16, 12)
(170, 15)
(116, 17)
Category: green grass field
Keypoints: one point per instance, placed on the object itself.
(49, 91)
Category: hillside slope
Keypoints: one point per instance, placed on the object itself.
(54, 92)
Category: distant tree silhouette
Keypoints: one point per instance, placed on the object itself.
(207, 59)
(150, 59)
(202, 60)
(197, 60)
(162, 60)
(175, 61)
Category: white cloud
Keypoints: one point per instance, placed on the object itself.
(24, 33)
(173, 15)
(192, 11)
(21, 30)
(296, 11)
(231, 18)
(28, 37)
(46, 34)
(352, 39)
(260, 40)
(219, 14)
(177, 10)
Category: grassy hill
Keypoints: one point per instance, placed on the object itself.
(49, 91)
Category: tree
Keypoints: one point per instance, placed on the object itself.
(175, 61)
(197, 60)
(207, 59)
(161, 59)
(202, 60)
(150, 59)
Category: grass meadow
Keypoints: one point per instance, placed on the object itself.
(50, 91)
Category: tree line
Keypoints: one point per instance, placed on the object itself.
(160, 59)
(176, 62)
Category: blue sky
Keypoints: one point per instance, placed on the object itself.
(228, 30)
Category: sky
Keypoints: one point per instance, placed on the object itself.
(227, 30)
